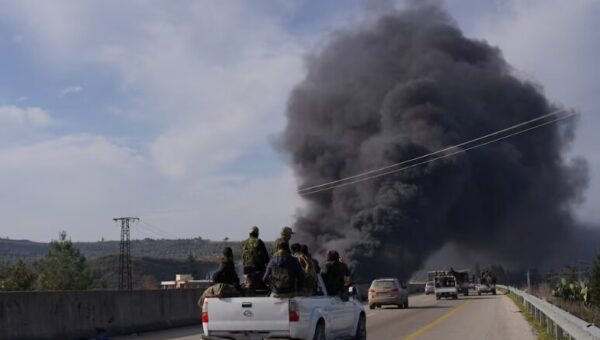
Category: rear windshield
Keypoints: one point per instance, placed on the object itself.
(388, 284)
(445, 282)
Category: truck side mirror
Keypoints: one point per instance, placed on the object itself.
(352, 291)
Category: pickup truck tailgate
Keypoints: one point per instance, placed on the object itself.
(248, 314)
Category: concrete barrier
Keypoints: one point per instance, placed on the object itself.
(43, 315)
(88, 314)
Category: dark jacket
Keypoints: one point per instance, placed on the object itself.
(334, 277)
(226, 273)
(284, 260)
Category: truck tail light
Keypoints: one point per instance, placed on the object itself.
(293, 316)
(205, 311)
(395, 290)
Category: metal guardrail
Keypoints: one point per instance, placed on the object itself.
(559, 323)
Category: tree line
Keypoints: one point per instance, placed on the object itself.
(63, 267)
(13, 250)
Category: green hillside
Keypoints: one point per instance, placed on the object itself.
(11, 250)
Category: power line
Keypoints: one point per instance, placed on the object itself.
(553, 113)
(153, 233)
(157, 230)
(159, 213)
(146, 233)
(360, 177)
(433, 159)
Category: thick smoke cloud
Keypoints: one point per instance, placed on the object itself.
(404, 85)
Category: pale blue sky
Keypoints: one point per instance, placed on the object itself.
(168, 111)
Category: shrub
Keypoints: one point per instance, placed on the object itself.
(572, 291)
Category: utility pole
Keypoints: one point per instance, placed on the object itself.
(125, 276)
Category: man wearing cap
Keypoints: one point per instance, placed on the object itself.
(286, 236)
(255, 259)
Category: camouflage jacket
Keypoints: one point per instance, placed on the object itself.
(254, 254)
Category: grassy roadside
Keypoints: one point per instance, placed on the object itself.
(587, 313)
(541, 331)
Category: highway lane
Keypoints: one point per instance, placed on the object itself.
(474, 317)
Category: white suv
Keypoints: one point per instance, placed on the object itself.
(388, 291)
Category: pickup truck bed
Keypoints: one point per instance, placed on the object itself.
(287, 318)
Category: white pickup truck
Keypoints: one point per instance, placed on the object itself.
(305, 317)
(446, 286)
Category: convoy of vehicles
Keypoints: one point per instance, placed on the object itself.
(445, 287)
(388, 291)
(463, 284)
(453, 282)
(306, 317)
(322, 316)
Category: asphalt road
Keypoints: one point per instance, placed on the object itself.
(486, 317)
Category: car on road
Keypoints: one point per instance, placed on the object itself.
(388, 291)
(489, 288)
(429, 288)
(446, 286)
(462, 280)
(304, 317)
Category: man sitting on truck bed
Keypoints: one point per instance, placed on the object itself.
(284, 273)
(226, 273)
(335, 274)
(308, 267)
(226, 282)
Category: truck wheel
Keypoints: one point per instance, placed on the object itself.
(361, 328)
(320, 331)
(494, 292)
(371, 306)
(437, 297)
(455, 297)
(479, 293)
(406, 303)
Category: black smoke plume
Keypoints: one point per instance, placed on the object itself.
(404, 85)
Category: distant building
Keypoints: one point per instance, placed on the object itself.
(184, 281)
